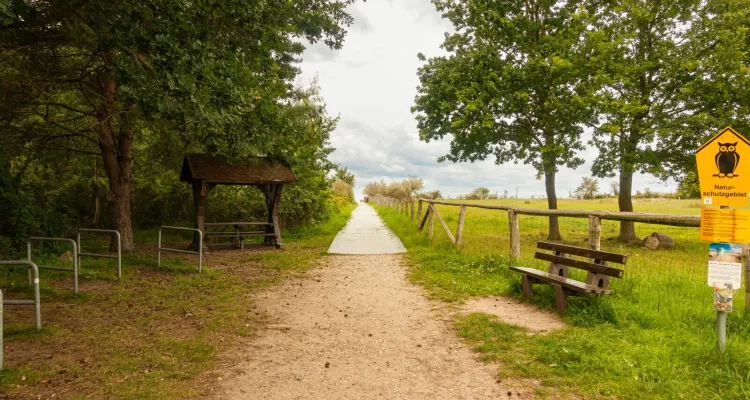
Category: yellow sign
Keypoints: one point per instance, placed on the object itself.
(724, 169)
(726, 226)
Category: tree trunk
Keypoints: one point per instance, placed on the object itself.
(554, 224)
(625, 200)
(117, 156)
(119, 205)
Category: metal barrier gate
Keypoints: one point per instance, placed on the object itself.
(75, 258)
(200, 246)
(32, 268)
(94, 255)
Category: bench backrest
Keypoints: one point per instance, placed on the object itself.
(598, 265)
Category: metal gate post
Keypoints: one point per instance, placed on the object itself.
(37, 301)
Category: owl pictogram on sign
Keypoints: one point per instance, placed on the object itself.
(727, 160)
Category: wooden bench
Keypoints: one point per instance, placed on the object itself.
(597, 280)
(237, 237)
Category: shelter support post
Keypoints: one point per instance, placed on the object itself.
(273, 200)
(200, 192)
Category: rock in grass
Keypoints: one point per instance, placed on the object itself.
(658, 240)
(66, 257)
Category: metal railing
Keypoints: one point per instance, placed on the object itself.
(200, 246)
(118, 257)
(75, 258)
(36, 302)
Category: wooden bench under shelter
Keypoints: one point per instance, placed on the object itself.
(269, 175)
(560, 261)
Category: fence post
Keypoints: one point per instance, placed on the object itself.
(747, 277)
(515, 235)
(419, 211)
(411, 205)
(595, 232)
(460, 229)
(431, 224)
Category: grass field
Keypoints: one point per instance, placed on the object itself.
(654, 338)
(153, 335)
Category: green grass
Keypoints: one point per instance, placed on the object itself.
(654, 338)
(155, 333)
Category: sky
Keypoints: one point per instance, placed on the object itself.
(371, 84)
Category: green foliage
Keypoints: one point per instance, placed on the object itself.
(343, 190)
(344, 175)
(670, 74)
(511, 87)
(95, 77)
(55, 193)
(480, 193)
(689, 187)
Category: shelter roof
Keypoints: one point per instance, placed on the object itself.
(253, 171)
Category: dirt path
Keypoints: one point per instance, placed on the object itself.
(359, 330)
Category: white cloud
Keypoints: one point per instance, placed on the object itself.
(371, 83)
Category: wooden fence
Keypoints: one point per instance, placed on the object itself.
(424, 212)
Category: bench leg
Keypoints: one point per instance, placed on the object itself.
(526, 285)
(561, 298)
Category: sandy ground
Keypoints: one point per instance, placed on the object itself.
(365, 233)
(516, 313)
(359, 330)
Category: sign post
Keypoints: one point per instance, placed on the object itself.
(724, 175)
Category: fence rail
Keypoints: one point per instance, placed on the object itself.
(427, 212)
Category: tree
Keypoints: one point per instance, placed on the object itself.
(666, 69)
(343, 189)
(344, 175)
(689, 187)
(588, 189)
(510, 88)
(89, 76)
(375, 189)
(412, 184)
(479, 193)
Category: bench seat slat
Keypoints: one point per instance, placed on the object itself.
(571, 262)
(582, 252)
(568, 283)
(241, 234)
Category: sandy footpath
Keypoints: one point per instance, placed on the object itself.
(359, 330)
(365, 233)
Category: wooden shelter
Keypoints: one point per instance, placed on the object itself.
(269, 175)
